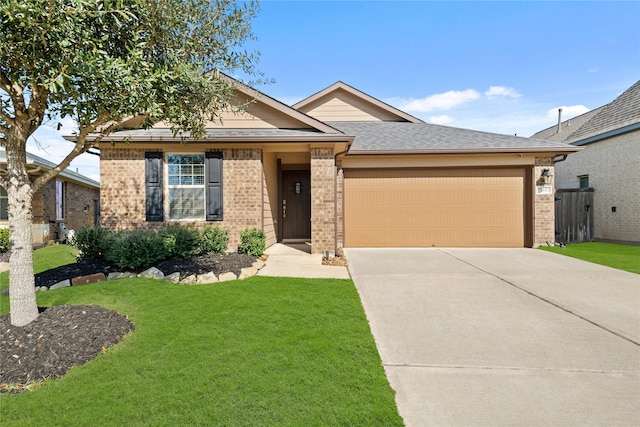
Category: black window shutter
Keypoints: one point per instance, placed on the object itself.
(213, 171)
(153, 179)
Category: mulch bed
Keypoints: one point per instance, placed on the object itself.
(66, 336)
(62, 337)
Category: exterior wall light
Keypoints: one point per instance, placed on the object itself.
(546, 176)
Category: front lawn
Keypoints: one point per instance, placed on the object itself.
(623, 257)
(262, 351)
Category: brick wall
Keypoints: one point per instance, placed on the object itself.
(123, 191)
(122, 188)
(242, 191)
(543, 205)
(613, 166)
(77, 197)
(322, 201)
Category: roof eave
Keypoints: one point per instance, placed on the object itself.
(231, 139)
(609, 134)
(549, 150)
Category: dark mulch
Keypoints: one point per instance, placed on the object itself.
(66, 336)
(62, 337)
(216, 263)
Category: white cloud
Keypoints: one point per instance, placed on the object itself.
(594, 69)
(440, 101)
(501, 92)
(568, 112)
(441, 120)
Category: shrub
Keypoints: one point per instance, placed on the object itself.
(4, 239)
(134, 249)
(180, 241)
(91, 242)
(252, 242)
(214, 239)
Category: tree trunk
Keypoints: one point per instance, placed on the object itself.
(22, 295)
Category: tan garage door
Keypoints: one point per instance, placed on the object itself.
(427, 207)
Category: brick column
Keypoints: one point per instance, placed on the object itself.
(544, 205)
(323, 218)
(242, 191)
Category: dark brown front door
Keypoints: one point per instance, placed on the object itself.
(296, 204)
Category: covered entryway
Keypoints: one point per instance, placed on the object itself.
(465, 207)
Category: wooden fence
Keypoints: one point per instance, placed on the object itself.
(574, 215)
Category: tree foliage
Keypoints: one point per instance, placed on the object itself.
(101, 61)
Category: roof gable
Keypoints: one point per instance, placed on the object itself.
(343, 103)
(261, 112)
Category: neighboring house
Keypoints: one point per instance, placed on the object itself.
(70, 199)
(338, 169)
(609, 163)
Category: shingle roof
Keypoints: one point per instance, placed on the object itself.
(394, 137)
(566, 128)
(623, 111)
(620, 114)
(222, 134)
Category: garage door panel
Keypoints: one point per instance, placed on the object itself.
(465, 207)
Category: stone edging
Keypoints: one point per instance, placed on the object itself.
(155, 273)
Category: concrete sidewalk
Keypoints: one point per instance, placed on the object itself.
(503, 337)
(294, 260)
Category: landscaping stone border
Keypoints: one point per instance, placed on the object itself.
(154, 273)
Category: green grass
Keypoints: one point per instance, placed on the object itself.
(44, 259)
(623, 257)
(262, 351)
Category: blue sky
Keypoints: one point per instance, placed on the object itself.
(502, 67)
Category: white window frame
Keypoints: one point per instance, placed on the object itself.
(169, 186)
(61, 199)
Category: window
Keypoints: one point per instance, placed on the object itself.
(584, 181)
(4, 205)
(60, 200)
(192, 189)
(186, 186)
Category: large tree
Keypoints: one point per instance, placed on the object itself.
(98, 62)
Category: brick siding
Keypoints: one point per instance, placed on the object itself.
(613, 166)
(123, 191)
(544, 205)
(322, 201)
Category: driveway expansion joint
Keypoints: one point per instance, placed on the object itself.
(548, 301)
(511, 368)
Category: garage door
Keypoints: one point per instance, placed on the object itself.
(434, 207)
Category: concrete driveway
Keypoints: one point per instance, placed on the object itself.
(511, 337)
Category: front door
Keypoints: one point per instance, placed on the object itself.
(295, 209)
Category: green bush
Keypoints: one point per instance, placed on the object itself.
(180, 241)
(252, 242)
(4, 239)
(134, 249)
(91, 242)
(214, 239)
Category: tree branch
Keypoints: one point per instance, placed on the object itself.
(5, 83)
(37, 106)
(81, 146)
